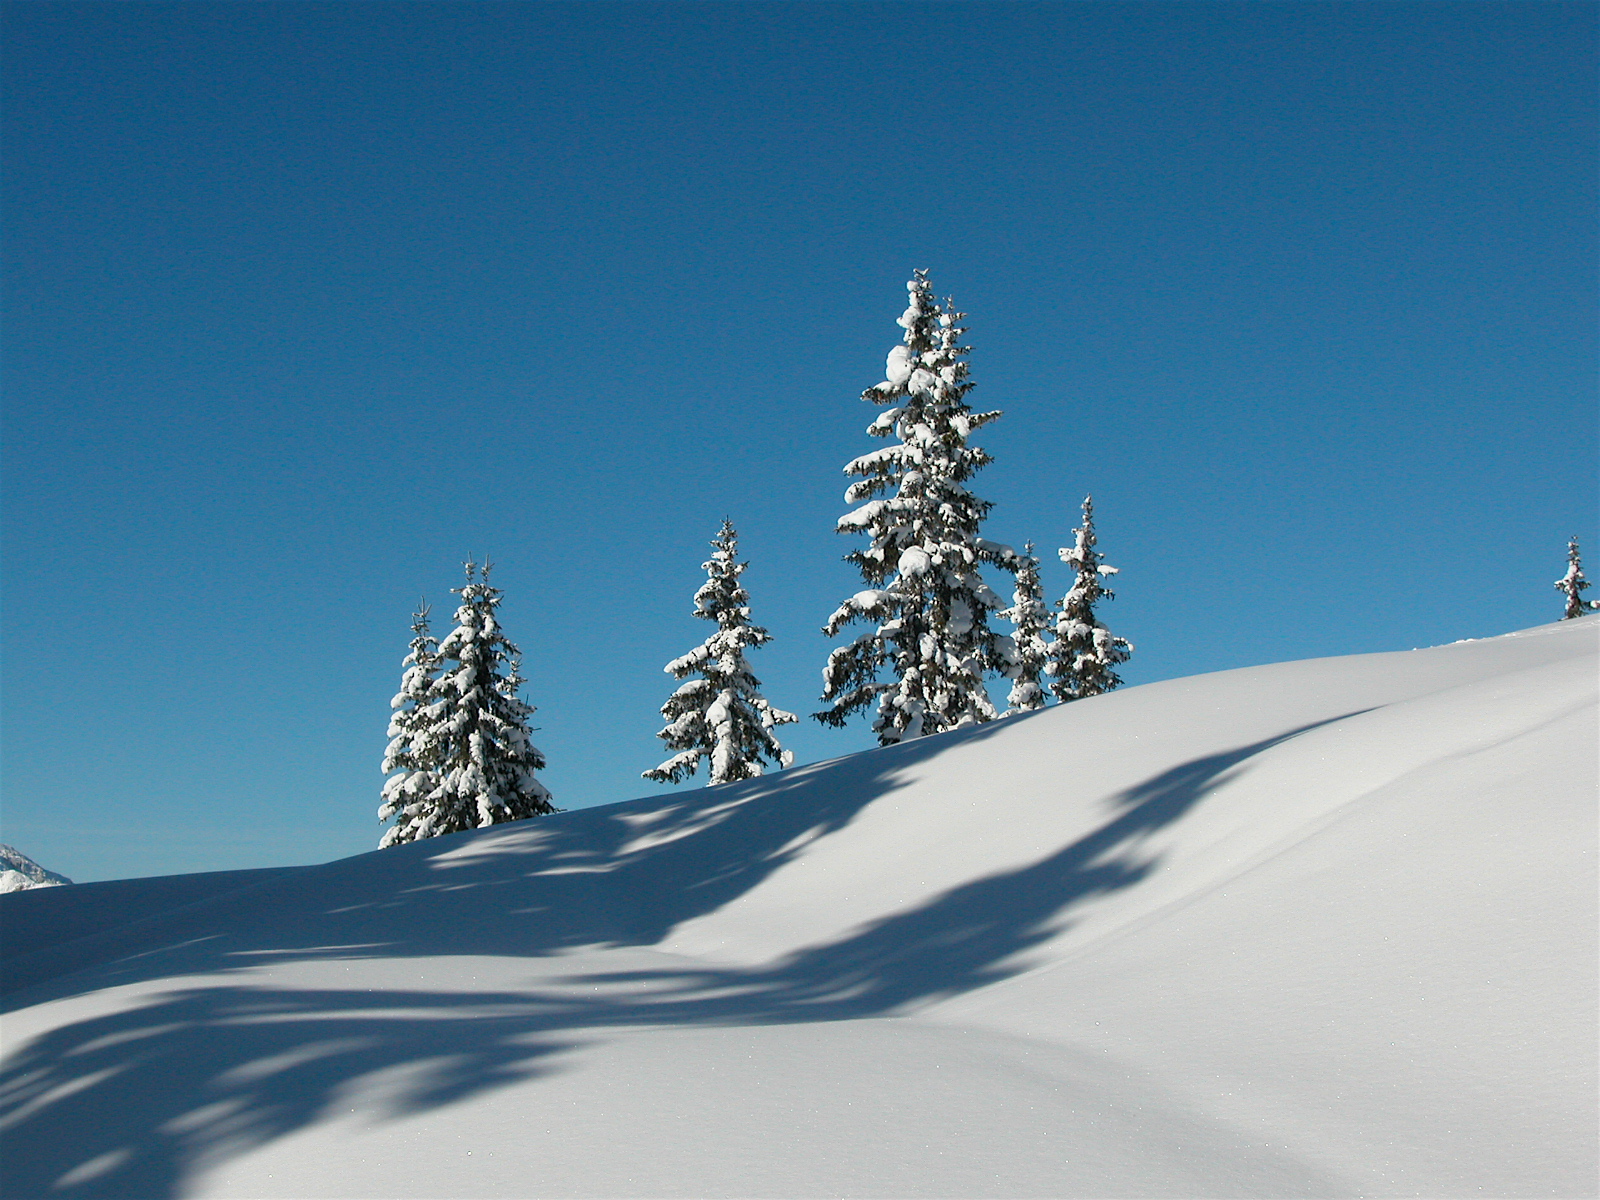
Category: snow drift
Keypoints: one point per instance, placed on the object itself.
(1324, 928)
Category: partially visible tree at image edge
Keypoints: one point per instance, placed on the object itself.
(1573, 585)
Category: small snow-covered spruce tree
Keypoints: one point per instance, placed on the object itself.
(1030, 619)
(473, 734)
(408, 760)
(721, 715)
(1573, 584)
(1084, 653)
(926, 599)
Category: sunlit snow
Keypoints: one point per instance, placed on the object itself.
(1324, 928)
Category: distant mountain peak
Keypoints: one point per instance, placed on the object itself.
(18, 872)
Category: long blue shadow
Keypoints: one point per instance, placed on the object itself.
(117, 1104)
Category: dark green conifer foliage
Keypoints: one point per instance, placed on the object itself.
(471, 735)
(721, 716)
(1573, 585)
(1084, 655)
(923, 663)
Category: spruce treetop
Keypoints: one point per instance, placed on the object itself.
(722, 597)
(927, 380)
(1090, 566)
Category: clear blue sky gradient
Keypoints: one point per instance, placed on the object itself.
(307, 302)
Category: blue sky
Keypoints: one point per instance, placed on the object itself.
(306, 303)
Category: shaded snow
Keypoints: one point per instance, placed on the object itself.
(1323, 928)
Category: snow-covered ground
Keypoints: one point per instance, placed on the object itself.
(1323, 928)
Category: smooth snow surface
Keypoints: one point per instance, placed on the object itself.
(1323, 928)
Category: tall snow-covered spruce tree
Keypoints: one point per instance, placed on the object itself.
(926, 598)
(461, 740)
(1573, 585)
(721, 716)
(1084, 653)
(1030, 619)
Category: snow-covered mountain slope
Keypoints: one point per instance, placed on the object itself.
(18, 872)
(1324, 928)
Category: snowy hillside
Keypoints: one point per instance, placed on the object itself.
(1324, 928)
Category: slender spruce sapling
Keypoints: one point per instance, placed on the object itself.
(720, 715)
(1573, 585)
(1084, 655)
(1030, 620)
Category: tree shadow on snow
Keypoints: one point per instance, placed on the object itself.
(124, 1103)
